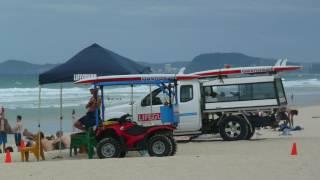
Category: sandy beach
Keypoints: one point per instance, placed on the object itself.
(265, 157)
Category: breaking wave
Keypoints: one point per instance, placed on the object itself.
(14, 98)
(302, 83)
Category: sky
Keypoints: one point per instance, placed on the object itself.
(47, 31)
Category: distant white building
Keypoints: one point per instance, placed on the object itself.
(167, 68)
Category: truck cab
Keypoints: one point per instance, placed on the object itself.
(189, 97)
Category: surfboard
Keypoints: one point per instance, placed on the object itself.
(246, 70)
(139, 77)
(192, 76)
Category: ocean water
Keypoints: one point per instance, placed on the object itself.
(19, 95)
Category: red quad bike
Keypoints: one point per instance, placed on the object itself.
(122, 135)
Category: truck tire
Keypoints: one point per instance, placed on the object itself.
(250, 133)
(233, 128)
(108, 148)
(159, 145)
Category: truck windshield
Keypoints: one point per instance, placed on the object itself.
(158, 98)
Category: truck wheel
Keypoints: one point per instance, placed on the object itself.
(159, 145)
(250, 132)
(233, 128)
(108, 148)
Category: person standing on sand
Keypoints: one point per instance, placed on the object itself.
(4, 129)
(18, 130)
(292, 98)
(89, 120)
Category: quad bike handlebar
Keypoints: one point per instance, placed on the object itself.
(123, 119)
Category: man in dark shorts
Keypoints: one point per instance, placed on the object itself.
(89, 120)
(4, 129)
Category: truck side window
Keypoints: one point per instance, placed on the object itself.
(241, 92)
(227, 93)
(263, 91)
(280, 91)
(186, 93)
(280, 88)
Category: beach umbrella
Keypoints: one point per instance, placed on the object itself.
(90, 62)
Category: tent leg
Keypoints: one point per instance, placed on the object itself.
(61, 116)
(150, 116)
(73, 120)
(131, 101)
(39, 114)
(60, 124)
(102, 104)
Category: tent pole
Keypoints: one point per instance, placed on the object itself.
(61, 117)
(150, 116)
(102, 103)
(39, 106)
(39, 114)
(131, 101)
(73, 120)
(60, 124)
(97, 109)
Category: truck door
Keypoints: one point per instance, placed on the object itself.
(189, 106)
(147, 114)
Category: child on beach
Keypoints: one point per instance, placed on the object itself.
(18, 130)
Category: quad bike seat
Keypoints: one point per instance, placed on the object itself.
(137, 130)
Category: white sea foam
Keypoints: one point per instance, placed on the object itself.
(13, 98)
(302, 83)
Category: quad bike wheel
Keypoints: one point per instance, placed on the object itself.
(159, 145)
(108, 148)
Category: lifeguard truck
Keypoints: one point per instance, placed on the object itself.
(215, 102)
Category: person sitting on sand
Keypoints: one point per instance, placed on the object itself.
(65, 141)
(48, 143)
(89, 120)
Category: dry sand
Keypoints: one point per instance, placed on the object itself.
(265, 157)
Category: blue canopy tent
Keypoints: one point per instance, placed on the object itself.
(93, 60)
